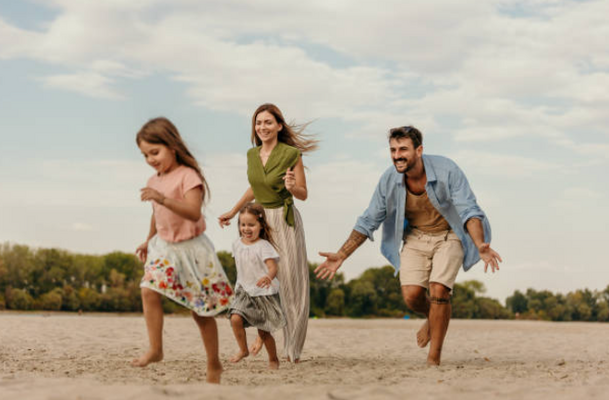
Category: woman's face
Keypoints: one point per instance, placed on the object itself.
(267, 127)
(158, 156)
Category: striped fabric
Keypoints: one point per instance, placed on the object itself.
(293, 275)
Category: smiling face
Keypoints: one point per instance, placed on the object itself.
(158, 156)
(249, 227)
(267, 128)
(404, 155)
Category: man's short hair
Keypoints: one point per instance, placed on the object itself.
(409, 132)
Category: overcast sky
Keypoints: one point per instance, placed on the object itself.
(516, 92)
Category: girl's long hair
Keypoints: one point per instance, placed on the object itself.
(257, 211)
(290, 134)
(161, 131)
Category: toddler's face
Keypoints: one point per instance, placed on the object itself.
(158, 156)
(249, 227)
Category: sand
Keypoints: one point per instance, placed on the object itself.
(67, 356)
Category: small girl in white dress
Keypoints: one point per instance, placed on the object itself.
(256, 300)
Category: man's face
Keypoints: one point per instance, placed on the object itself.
(403, 154)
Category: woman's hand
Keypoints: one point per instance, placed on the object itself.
(142, 251)
(290, 179)
(149, 194)
(224, 219)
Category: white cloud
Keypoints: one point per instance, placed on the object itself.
(86, 83)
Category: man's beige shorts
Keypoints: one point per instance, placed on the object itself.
(430, 257)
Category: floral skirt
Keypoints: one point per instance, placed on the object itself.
(262, 312)
(188, 273)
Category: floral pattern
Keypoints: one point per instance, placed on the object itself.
(202, 288)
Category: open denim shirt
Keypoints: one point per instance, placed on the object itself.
(448, 191)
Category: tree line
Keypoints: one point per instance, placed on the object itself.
(53, 279)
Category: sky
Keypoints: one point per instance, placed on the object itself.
(516, 92)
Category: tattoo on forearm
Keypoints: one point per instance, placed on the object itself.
(353, 242)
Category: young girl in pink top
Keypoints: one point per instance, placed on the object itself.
(180, 261)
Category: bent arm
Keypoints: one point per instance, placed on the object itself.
(300, 188)
(190, 207)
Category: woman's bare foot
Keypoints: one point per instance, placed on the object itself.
(296, 361)
(239, 356)
(423, 335)
(149, 357)
(274, 364)
(256, 346)
(432, 363)
(214, 374)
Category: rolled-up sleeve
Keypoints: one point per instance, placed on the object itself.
(463, 197)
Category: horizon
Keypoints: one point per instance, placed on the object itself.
(510, 90)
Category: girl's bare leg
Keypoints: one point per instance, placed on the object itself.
(239, 331)
(209, 333)
(153, 314)
(256, 346)
(271, 348)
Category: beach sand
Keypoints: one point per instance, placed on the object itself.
(67, 356)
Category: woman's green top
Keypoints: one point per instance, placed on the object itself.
(267, 180)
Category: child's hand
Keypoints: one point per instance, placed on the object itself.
(149, 194)
(264, 282)
(290, 179)
(142, 251)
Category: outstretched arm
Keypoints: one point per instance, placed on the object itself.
(224, 219)
(487, 254)
(328, 268)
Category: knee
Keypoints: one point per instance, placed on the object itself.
(413, 298)
(236, 320)
(439, 290)
(263, 334)
(149, 295)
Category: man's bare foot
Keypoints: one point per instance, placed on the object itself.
(214, 375)
(423, 335)
(149, 357)
(256, 346)
(274, 364)
(239, 356)
(432, 362)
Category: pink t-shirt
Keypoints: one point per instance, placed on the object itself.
(174, 185)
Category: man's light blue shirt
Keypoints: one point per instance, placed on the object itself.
(448, 191)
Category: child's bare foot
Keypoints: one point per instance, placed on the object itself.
(423, 335)
(214, 374)
(256, 347)
(274, 364)
(149, 357)
(239, 356)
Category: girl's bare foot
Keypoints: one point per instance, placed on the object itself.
(423, 335)
(274, 364)
(214, 374)
(239, 356)
(149, 357)
(256, 347)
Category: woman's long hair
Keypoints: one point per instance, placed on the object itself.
(290, 134)
(257, 211)
(161, 131)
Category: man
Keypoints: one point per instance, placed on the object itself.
(426, 202)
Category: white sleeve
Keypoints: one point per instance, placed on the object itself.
(268, 251)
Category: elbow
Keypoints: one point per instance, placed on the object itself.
(195, 216)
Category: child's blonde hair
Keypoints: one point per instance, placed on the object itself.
(257, 211)
(161, 131)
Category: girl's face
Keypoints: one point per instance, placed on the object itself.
(159, 157)
(249, 227)
(267, 127)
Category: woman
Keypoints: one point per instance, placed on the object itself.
(276, 175)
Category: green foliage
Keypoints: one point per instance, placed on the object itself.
(53, 279)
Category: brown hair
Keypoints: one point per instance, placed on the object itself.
(408, 132)
(257, 211)
(290, 134)
(161, 131)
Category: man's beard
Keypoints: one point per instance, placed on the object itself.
(408, 166)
